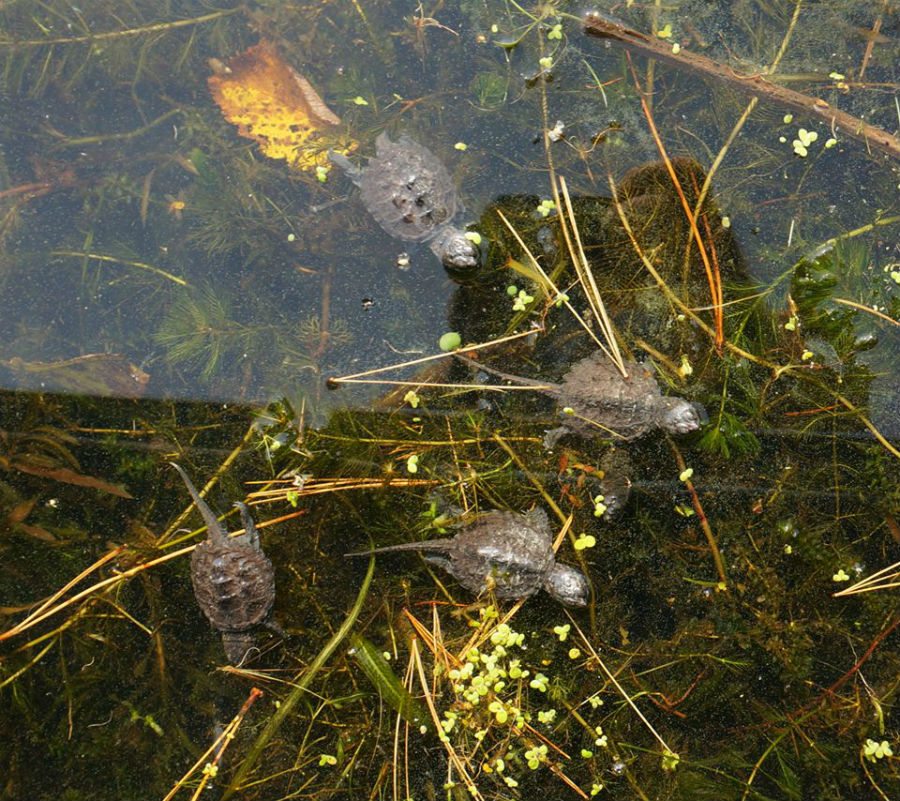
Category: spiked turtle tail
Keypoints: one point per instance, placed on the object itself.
(436, 546)
(216, 532)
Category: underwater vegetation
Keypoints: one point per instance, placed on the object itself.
(688, 207)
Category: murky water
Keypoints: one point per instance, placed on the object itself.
(175, 291)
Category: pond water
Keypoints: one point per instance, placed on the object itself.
(187, 277)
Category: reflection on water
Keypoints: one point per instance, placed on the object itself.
(173, 291)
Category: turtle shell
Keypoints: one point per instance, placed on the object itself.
(602, 399)
(234, 583)
(407, 189)
(514, 551)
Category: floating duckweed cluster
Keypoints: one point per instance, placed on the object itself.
(503, 714)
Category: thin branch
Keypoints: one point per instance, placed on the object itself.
(755, 85)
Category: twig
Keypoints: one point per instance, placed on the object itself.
(221, 743)
(870, 44)
(755, 85)
(140, 265)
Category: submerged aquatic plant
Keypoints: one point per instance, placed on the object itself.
(199, 330)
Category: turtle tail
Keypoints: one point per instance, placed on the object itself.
(216, 532)
(437, 546)
(237, 644)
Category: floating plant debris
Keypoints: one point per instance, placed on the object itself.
(104, 374)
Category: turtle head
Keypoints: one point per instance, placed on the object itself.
(679, 416)
(455, 251)
(567, 585)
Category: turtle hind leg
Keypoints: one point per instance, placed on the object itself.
(440, 560)
(250, 531)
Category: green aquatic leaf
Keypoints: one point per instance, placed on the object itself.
(378, 670)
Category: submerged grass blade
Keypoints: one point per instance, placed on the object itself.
(301, 687)
(102, 257)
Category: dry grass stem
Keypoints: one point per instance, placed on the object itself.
(867, 310)
(322, 486)
(589, 284)
(218, 747)
(425, 359)
(701, 516)
(452, 754)
(712, 273)
(615, 682)
(48, 609)
(435, 385)
(557, 292)
(886, 578)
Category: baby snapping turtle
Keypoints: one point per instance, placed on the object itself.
(512, 553)
(411, 196)
(602, 399)
(234, 582)
(594, 398)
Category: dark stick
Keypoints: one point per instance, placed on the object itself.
(755, 85)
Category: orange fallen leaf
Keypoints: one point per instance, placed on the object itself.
(274, 105)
